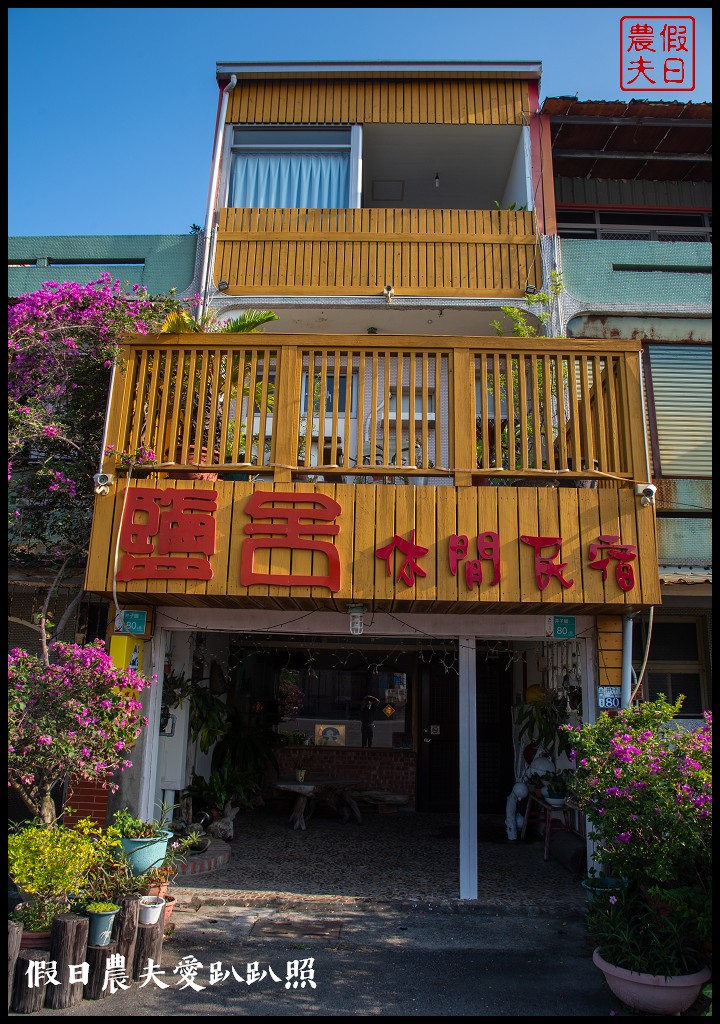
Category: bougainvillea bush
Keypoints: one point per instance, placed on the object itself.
(62, 344)
(645, 784)
(77, 716)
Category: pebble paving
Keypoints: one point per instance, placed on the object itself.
(405, 859)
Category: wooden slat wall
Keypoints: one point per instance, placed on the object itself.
(341, 251)
(379, 101)
(609, 650)
(372, 516)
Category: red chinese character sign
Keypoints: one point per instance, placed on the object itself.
(546, 567)
(411, 552)
(297, 532)
(488, 547)
(171, 534)
(624, 553)
(164, 531)
(657, 53)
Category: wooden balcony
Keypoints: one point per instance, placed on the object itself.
(358, 409)
(393, 438)
(438, 253)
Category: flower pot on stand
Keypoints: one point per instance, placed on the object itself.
(170, 902)
(151, 907)
(101, 926)
(653, 993)
(147, 853)
(157, 889)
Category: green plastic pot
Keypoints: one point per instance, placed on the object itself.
(101, 926)
(146, 854)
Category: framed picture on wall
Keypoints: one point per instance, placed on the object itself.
(329, 735)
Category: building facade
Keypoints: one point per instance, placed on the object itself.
(381, 494)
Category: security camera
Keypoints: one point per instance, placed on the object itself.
(103, 479)
(647, 493)
(646, 490)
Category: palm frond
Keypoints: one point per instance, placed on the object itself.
(248, 322)
(179, 322)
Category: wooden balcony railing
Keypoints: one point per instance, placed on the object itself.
(338, 251)
(383, 410)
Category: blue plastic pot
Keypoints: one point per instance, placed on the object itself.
(101, 926)
(603, 887)
(146, 854)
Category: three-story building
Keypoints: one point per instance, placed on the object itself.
(380, 494)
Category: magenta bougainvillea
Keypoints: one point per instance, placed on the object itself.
(290, 700)
(79, 716)
(62, 344)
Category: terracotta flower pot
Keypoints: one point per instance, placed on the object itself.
(170, 902)
(35, 940)
(652, 993)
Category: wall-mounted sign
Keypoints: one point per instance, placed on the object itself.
(293, 539)
(560, 627)
(133, 622)
(609, 697)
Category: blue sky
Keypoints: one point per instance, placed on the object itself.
(111, 110)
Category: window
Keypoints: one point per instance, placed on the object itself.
(405, 405)
(637, 225)
(290, 168)
(675, 663)
(334, 682)
(683, 414)
(329, 393)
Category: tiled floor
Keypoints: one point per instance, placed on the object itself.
(403, 858)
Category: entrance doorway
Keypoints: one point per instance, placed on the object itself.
(438, 783)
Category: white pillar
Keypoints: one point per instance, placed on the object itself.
(468, 770)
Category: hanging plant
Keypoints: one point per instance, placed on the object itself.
(291, 700)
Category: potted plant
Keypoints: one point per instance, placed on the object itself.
(302, 759)
(102, 915)
(644, 783)
(158, 880)
(555, 785)
(48, 863)
(144, 843)
(109, 878)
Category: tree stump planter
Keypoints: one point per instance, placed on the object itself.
(24, 998)
(68, 944)
(148, 947)
(97, 957)
(15, 930)
(35, 940)
(125, 929)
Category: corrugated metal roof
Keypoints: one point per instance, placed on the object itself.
(684, 574)
(657, 140)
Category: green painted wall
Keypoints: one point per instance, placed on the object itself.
(168, 261)
(589, 276)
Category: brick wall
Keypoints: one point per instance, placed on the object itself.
(391, 770)
(87, 800)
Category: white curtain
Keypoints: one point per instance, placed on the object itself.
(290, 180)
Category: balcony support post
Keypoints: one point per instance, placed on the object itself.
(462, 439)
(287, 426)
